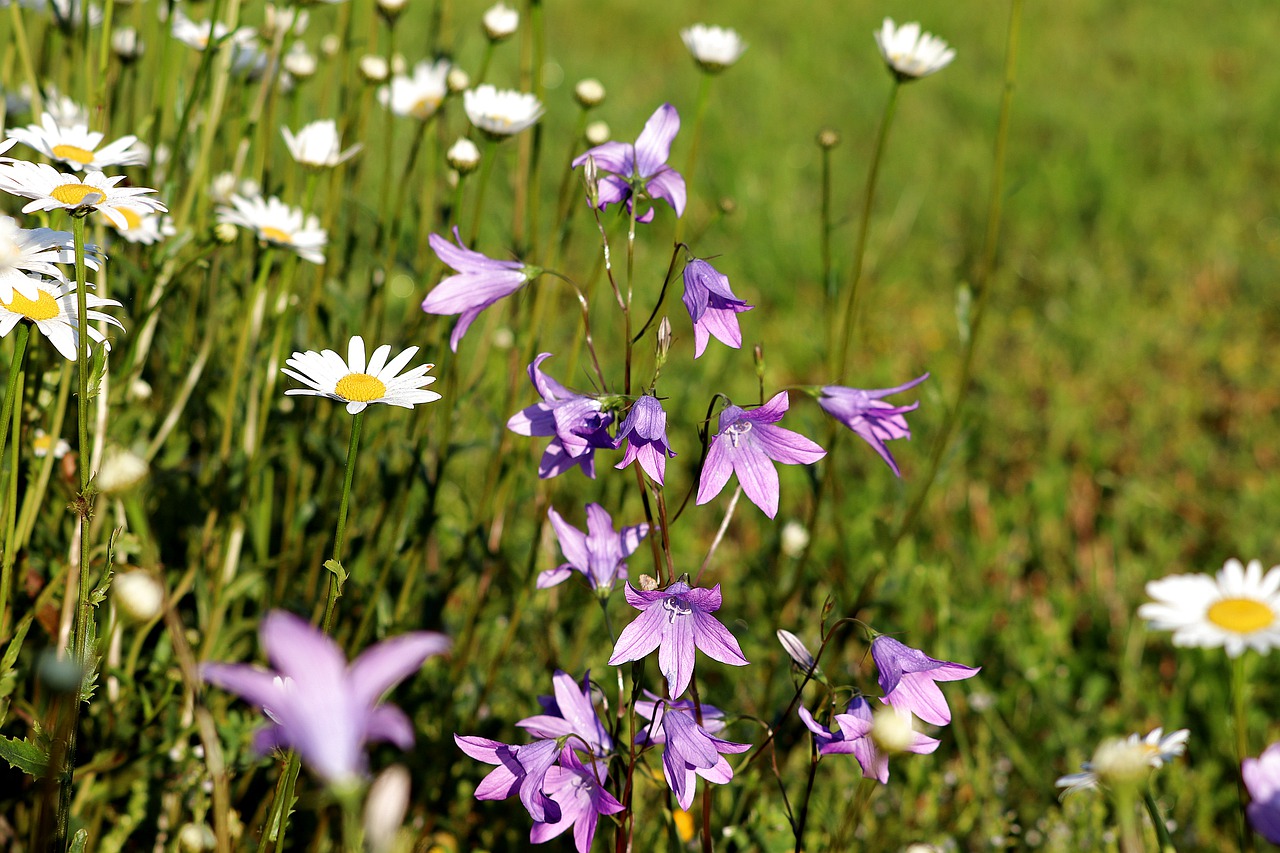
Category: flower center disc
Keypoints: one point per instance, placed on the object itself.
(275, 235)
(76, 195)
(132, 217)
(1241, 615)
(424, 108)
(43, 308)
(73, 154)
(360, 388)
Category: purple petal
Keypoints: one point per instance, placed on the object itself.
(668, 184)
(715, 640)
(388, 723)
(675, 654)
(554, 577)
(758, 477)
(573, 543)
(641, 637)
(386, 664)
(253, 684)
(716, 469)
(615, 157)
(653, 146)
(786, 446)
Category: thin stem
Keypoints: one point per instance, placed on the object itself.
(486, 169)
(11, 521)
(1164, 841)
(662, 294)
(724, 526)
(704, 92)
(335, 580)
(1240, 709)
(22, 334)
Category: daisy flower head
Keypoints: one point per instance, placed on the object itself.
(1121, 761)
(50, 189)
(500, 113)
(910, 53)
(360, 384)
(143, 226)
(318, 145)
(713, 48)
(420, 95)
(1238, 609)
(34, 250)
(53, 312)
(77, 146)
(500, 21)
(201, 35)
(278, 224)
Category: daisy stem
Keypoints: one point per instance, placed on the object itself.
(12, 393)
(339, 536)
(24, 54)
(1240, 703)
(21, 334)
(486, 169)
(248, 335)
(704, 96)
(35, 495)
(1163, 841)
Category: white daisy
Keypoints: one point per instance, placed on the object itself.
(24, 251)
(143, 226)
(418, 96)
(199, 35)
(501, 112)
(1131, 759)
(278, 224)
(1239, 609)
(713, 48)
(69, 13)
(911, 54)
(53, 312)
(318, 145)
(43, 443)
(65, 111)
(78, 146)
(51, 190)
(500, 21)
(353, 382)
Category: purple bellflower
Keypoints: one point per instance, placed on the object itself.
(645, 431)
(712, 306)
(570, 712)
(674, 621)
(578, 425)
(691, 750)
(317, 704)
(870, 417)
(579, 791)
(747, 445)
(908, 676)
(598, 554)
(480, 282)
(854, 737)
(1262, 779)
(521, 768)
(641, 168)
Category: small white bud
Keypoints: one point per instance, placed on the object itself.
(121, 471)
(457, 80)
(222, 187)
(503, 338)
(589, 93)
(374, 68)
(794, 539)
(138, 594)
(463, 156)
(892, 730)
(139, 390)
(500, 21)
(391, 9)
(385, 807)
(225, 232)
(796, 649)
(299, 62)
(597, 133)
(330, 45)
(126, 44)
(398, 65)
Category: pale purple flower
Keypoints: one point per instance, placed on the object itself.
(645, 430)
(640, 169)
(674, 621)
(908, 676)
(870, 417)
(712, 306)
(853, 737)
(480, 282)
(747, 445)
(521, 767)
(579, 791)
(598, 554)
(691, 749)
(570, 712)
(576, 421)
(1262, 779)
(318, 705)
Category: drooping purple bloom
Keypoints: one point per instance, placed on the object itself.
(691, 749)
(598, 554)
(712, 306)
(870, 417)
(579, 791)
(747, 445)
(854, 737)
(1262, 779)
(576, 421)
(570, 712)
(640, 168)
(480, 282)
(674, 621)
(908, 676)
(645, 430)
(317, 704)
(521, 767)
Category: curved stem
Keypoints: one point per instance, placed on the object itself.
(336, 573)
(21, 335)
(662, 295)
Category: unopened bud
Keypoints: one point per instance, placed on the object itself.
(398, 65)
(225, 232)
(391, 9)
(664, 340)
(727, 206)
(457, 80)
(591, 178)
(463, 156)
(828, 138)
(500, 22)
(597, 133)
(796, 650)
(374, 68)
(299, 62)
(330, 45)
(589, 93)
(138, 594)
(126, 44)
(121, 471)
(385, 807)
(794, 539)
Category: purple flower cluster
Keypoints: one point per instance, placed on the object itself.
(691, 748)
(640, 170)
(576, 422)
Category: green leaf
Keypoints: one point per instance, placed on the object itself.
(97, 369)
(25, 756)
(78, 841)
(336, 568)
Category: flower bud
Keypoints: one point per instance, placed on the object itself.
(139, 390)
(664, 340)
(126, 44)
(374, 68)
(299, 62)
(222, 187)
(225, 233)
(391, 9)
(398, 64)
(597, 133)
(463, 156)
(796, 650)
(892, 730)
(138, 594)
(330, 45)
(385, 807)
(500, 21)
(457, 80)
(794, 539)
(589, 93)
(828, 138)
(121, 472)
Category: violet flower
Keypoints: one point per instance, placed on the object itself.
(747, 445)
(480, 282)
(521, 768)
(645, 430)
(579, 792)
(674, 621)
(870, 417)
(570, 712)
(854, 737)
(908, 676)
(712, 306)
(597, 554)
(576, 421)
(1262, 779)
(318, 705)
(640, 169)
(691, 750)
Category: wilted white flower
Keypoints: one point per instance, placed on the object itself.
(418, 96)
(911, 54)
(713, 48)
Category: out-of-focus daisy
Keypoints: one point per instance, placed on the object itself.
(418, 96)
(144, 226)
(501, 112)
(713, 48)
(278, 224)
(126, 44)
(78, 146)
(358, 384)
(24, 251)
(910, 53)
(1119, 761)
(65, 111)
(1238, 609)
(43, 444)
(299, 61)
(50, 189)
(500, 21)
(53, 313)
(463, 156)
(318, 145)
(200, 35)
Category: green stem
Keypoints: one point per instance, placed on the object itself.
(486, 169)
(339, 536)
(13, 394)
(1163, 840)
(1240, 709)
(704, 96)
(21, 335)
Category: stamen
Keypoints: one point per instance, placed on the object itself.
(1241, 615)
(73, 154)
(360, 388)
(43, 308)
(275, 235)
(77, 195)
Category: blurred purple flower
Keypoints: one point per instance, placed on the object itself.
(1262, 779)
(318, 705)
(575, 420)
(640, 168)
(854, 737)
(870, 417)
(674, 621)
(570, 711)
(579, 792)
(645, 430)
(522, 767)
(480, 282)
(691, 750)
(597, 554)
(712, 306)
(747, 445)
(908, 676)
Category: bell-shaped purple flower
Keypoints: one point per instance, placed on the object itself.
(576, 421)
(598, 554)
(1262, 779)
(870, 417)
(854, 737)
(578, 789)
(908, 676)
(645, 431)
(640, 168)
(712, 306)
(480, 282)
(521, 768)
(747, 445)
(570, 712)
(691, 749)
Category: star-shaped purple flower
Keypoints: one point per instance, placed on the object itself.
(691, 750)
(641, 168)
(908, 676)
(1262, 779)
(674, 621)
(318, 705)
(480, 282)
(854, 736)
(578, 789)
(570, 712)
(712, 306)
(645, 430)
(521, 767)
(870, 417)
(747, 445)
(576, 421)
(597, 554)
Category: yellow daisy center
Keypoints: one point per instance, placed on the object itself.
(76, 195)
(73, 153)
(43, 308)
(360, 388)
(43, 444)
(275, 235)
(1241, 615)
(424, 107)
(132, 217)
